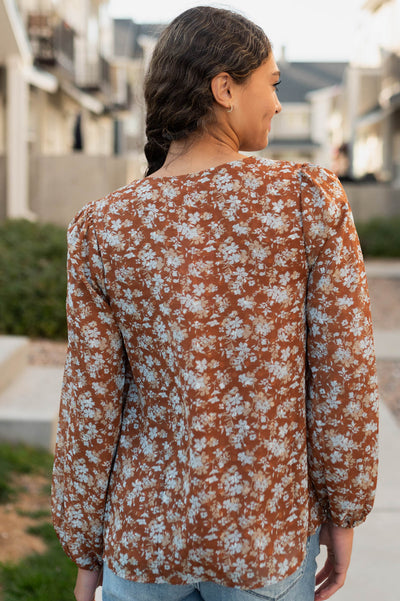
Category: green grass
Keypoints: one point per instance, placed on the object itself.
(40, 577)
(35, 515)
(20, 459)
(37, 577)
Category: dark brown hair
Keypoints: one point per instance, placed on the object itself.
(197, 45)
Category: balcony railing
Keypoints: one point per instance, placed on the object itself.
(52, 40)
(64, 42)
(41, 36)
(54, 44)
(96, 75)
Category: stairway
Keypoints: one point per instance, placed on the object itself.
(29, 396)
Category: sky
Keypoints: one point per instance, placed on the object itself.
(310, 30)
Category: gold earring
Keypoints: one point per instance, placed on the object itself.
(230, 109)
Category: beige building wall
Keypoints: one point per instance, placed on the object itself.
(293, 122)
(98, 134)
(368, 151)
(326, 124)
(372, 200)
(52, 121)
(74, 13)
(52, 106)
(372, 120)
(53, 116)
(362, 121)
(94, 28)
(61, 186)
(379, 29)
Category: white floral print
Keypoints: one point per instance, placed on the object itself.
(219, 398)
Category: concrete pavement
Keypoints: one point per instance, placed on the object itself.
(373, 574)
(29, 396)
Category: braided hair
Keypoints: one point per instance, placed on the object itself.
(198, 45)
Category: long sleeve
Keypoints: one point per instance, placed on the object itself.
(342, 397)
(95, 383)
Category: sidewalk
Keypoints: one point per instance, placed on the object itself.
(373, 574)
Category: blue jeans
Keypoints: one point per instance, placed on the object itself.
(299, 586)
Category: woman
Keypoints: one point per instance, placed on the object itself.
(219, 405)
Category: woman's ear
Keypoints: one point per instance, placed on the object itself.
(221, 87)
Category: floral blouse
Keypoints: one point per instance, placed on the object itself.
(220, 396)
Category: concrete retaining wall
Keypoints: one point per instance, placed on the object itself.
(60, 185)
(372, 200)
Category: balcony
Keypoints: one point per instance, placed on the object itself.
(95, 75)
(64, 43)
(389, 97)
(52, 41)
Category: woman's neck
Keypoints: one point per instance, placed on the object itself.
(198, 153)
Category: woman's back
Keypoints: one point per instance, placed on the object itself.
(213, 280)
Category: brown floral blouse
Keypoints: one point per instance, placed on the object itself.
(220, 396)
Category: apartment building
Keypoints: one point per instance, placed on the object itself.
(133, 47)
(372, 95)
(306, 129)
(72, 41)
(71, 84)
(62, 92)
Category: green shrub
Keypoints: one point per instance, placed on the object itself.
(32, 279)
(380, 237)
(33, 272)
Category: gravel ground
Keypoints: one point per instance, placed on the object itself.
(385, 302)
(385, 307)
(47, 352)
